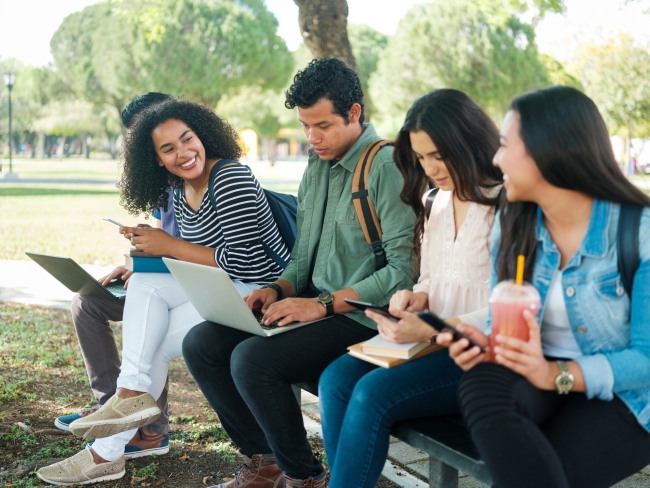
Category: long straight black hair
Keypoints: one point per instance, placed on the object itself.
(466, 139)
(567, 138)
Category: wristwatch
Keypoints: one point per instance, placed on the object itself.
(276, 287)
(327, 299)
(564, 381)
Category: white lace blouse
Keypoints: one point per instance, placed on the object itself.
(455, 266)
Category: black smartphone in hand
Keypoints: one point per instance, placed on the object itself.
(441, 326)
(371, 306)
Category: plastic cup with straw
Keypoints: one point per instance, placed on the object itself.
(508, 301)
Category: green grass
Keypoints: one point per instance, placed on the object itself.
(77, 169)
(64, 220)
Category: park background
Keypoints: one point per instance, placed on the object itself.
(77, 63)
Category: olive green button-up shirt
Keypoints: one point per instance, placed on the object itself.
(330, 235)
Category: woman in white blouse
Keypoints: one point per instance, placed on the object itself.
(448, 140)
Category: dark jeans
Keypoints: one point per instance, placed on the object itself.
(90, 316)
(536, 438)
(360, 402)
(247, 379)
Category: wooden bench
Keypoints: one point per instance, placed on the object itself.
(447, 442)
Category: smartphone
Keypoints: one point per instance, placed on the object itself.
(113, 222)
(440, 325)
(371, 306)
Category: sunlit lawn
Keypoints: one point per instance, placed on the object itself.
(66, 219)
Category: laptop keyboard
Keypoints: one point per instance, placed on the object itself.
(259, 316)
(117, 289)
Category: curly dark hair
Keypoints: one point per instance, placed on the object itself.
(466, 139)
(327, 78)
(144, 183)
(139, 104)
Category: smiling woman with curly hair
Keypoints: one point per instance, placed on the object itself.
(175, 146)
(144, 181)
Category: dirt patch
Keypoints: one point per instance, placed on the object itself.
(42, 377)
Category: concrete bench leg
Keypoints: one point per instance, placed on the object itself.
(442, 475)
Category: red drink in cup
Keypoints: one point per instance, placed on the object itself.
(508, 302)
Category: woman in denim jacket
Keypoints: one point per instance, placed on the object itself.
(570, 407)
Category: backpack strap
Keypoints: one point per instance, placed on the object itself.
(627, 242)
(213, 202)
(430, 199)
(213, 177)
(363, 206)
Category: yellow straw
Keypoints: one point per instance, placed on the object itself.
(520, 269)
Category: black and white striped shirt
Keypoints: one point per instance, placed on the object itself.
(242, 221)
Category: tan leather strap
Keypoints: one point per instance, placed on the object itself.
(360, 188)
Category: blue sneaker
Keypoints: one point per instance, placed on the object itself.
(145, 445)
(142, 445)
(63, 422)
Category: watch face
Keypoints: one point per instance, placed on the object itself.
(326, 298)
(564, 383)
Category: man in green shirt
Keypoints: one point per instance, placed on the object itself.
(247, 379)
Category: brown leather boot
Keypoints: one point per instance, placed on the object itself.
(319, 482)
(257, 472)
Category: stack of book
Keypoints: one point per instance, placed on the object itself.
(388, 354)
(143, 262)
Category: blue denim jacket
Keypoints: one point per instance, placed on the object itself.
(612, 332)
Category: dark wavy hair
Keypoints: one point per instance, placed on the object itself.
(138, 104)
(567, 138)
(467, 140)
(327, 78)
(144, 183)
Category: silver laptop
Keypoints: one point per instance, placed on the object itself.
(216, 299)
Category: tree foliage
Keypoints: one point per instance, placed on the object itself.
(198, 48)
(478, 47)
(616, 74)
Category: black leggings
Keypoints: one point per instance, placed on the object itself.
(535, 438)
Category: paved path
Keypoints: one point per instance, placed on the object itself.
(26, 282)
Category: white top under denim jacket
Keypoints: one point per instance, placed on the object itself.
(612, 332)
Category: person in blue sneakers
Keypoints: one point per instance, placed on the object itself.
(91, 317)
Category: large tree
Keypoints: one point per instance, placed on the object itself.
(616, 74)
(323, 25)
(481, 48)
(111, 52)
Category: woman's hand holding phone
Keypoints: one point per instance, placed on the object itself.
(408, 301)
(465, 358)
(409, 328)
(151, 240)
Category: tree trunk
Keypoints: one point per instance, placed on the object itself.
(60, 149)
(323, 25)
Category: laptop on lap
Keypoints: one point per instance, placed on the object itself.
(216, 299)
(77, 279)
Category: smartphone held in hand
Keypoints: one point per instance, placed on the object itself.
(442, 326)
(113, 222)
(371, 306)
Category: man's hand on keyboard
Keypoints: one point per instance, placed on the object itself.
(294, 310)
(120, 272)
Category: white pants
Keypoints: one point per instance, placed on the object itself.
(157, 315)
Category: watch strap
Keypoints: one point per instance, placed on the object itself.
(276, 287)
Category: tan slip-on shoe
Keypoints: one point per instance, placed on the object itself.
(80, 469)
(117, 415)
